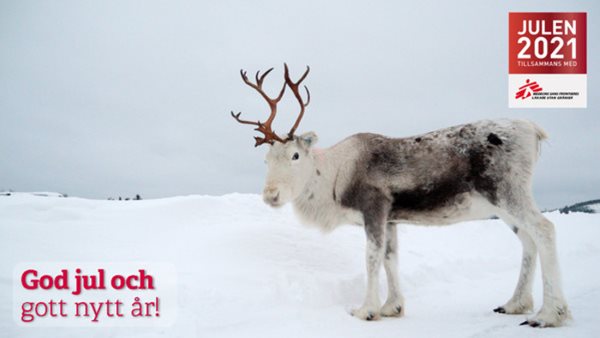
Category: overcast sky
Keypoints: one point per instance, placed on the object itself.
(115, 98)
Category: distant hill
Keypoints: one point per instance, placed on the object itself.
(35, 193)
(590, 207)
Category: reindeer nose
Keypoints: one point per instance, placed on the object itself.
(271, 195)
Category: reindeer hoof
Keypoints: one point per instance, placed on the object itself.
(365, 314)
(515, 307)
(392, 310)
(532, 323)
(549, 317)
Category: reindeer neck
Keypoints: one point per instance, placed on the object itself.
(318, 203)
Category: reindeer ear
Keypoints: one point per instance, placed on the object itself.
(307, 140)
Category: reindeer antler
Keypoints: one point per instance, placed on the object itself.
(265, 127)
(294, 87)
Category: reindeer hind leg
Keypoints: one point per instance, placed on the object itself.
(394, 305)
(554, 309)
(522, 299)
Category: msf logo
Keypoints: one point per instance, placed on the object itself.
(527, 90)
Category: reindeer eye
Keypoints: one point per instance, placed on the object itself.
(296, 156)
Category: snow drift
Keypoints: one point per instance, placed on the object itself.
(247, 270)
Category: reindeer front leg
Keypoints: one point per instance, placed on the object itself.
(375, 252)
(375, 210)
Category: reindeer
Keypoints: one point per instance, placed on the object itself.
(466, 172)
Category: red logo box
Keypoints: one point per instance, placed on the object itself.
(547, 43)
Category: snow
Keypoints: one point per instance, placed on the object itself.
(246, 270)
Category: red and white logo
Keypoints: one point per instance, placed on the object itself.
(550, 48)
(528, 89)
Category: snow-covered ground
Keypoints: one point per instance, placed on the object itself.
(246, 270)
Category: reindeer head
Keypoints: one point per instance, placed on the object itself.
(289, 160)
